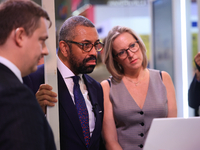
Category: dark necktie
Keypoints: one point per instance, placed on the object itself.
(81, 109)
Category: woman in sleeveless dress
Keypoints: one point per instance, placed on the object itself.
(134, 95)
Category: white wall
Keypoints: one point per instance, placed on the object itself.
(135, 17)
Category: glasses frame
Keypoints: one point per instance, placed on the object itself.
(81, 45)
(117, 55)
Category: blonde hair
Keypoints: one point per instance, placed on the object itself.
(113, 67)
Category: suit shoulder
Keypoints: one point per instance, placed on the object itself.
(8, 79)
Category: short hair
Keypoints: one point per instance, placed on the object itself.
(20, 13)
(67, 30)
(113, 67)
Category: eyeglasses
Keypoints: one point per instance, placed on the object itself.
(87, 47)
(124, 53)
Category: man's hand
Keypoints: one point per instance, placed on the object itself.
(46, 97)
(197, 62)
(197, 59)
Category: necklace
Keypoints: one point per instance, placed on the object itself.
(136, 83)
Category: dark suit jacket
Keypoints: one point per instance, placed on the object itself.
(71, 136)
(23, 125)
(194, 94)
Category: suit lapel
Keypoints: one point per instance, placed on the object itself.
(67, 104)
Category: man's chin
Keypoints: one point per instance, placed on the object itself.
(89, 69)
(33, 69)
(29, 71)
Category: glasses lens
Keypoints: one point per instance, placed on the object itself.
(87, 47)
(122, 54)
(134, 47)
(99, 47)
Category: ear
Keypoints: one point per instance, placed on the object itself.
(64, 48)
(19, 36)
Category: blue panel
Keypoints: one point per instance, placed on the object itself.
(194, 24)
(99, 30)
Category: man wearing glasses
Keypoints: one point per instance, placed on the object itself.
(80, 128)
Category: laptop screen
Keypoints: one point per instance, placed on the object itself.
(174, 134)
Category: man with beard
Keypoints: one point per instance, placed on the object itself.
(77, 56)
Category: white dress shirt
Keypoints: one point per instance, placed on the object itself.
(67, 74)
(12, 67)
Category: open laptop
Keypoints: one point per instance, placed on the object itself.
(174, 134)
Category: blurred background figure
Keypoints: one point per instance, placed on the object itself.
(194, 90)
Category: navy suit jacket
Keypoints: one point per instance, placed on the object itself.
(194, 94)
(23, 125)
(71, 136)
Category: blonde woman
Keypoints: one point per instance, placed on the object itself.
(134, 95)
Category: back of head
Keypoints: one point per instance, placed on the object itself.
(67, 30)
(20, 13)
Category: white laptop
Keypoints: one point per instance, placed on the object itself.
(174, 134)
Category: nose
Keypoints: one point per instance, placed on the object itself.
(129, 53)
(45, 50)
(93, 51)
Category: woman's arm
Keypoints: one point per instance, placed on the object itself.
(109, 129)
(172, 107)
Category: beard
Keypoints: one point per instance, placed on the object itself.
(80, 67)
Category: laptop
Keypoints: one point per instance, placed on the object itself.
(174, 134)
